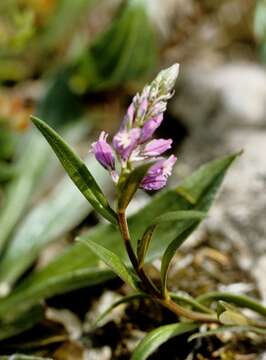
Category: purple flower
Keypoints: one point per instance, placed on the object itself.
(152, 182)
(156, 147)
(103, 152)
(125, 142)
(149, 127)
(157, 175)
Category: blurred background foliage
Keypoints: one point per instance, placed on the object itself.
(76, 64)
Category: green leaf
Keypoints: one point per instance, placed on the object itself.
(125, 51)
(57, 106)
(172, 216)
(229, 315)
(144, 242)
(7, 171)
(76, 268)
(77, 171)
(159, 336)
(193, 217)
(64, 20)
(59, 212)
(202, 179)
(131, 185)
(60, 105)
(20, 189)
(112, 261)
(222, 329)
(121, 301)
(8, 140)
(238, 300)
(259, 24)
(23, 322)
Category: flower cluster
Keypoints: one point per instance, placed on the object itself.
(133, 142)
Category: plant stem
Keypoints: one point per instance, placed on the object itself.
(239, 300)
(148, 285)
(189, 314)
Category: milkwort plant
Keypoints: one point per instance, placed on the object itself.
(134, 159)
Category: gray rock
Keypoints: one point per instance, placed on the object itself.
(224, 108)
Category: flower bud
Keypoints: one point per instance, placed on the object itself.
(103, 152)
(157, 175)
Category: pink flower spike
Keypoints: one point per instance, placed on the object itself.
(156, 147)
(125, 142)
(149, 127)
(103, 152)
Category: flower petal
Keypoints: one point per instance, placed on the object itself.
(157, 147)
(149, 127)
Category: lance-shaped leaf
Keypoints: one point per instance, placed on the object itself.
(172, 217)
(131, 184)
(193, 193)
(222, 329)
(192, 219)
(158, 336)
(77, 171)
(76, 268)
(113, 261)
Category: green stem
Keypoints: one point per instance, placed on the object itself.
(239, 300)
(189, 314)
(190, 301)
(150, 287)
